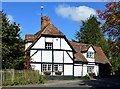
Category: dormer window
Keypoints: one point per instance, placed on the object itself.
(48, 45)
(90, 55)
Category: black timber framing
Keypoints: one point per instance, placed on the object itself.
(42, 49)
(51, 49)
(34, 53)
(63, 63)
(41, 60)
(51, 63)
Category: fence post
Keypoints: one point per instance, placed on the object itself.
(13, 74)
(1, 77)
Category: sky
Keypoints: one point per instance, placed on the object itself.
(66, 16)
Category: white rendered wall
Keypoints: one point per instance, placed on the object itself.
(77, 70)
(58, 56)
(64, 44)
(48, 39)
(46, 56)
(68, 70)
(56, 43)
(40, 43)
(96, 70)
(36, 57)
(84, 70)
(67, 59)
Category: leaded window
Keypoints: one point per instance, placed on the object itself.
(58, 67)
(48, 45)
(46, 67)
(90, 55)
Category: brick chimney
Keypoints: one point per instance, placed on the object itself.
(44, 22)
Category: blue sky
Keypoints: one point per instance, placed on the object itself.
(64, 15)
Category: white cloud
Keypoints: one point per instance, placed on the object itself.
(75, 13)
(10, 17)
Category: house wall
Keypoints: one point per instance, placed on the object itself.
(68, 70)
(95, 70)
(78, 70)
(85, 55)
(63, 55)
(40, 43)
(60, 54)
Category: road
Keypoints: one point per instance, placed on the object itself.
(107, 83)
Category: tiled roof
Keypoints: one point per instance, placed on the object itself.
(100, 57)
(48, 29)
(30, 37)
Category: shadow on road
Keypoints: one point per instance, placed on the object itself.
(106, 83)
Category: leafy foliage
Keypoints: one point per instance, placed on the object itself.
(114, 55)
(90, 33)
(12, 44)
(112, 27)
(112, 19)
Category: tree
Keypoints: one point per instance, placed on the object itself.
(12, 44)
(112, 27)
(114, 55)
(112, 19)
(90, 33)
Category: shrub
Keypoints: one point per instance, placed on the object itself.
(86, 77)
(41, 79)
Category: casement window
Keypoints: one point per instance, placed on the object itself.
(58, 67)
(46, 67)
(90, 55)
(48, 45)
(90, 69)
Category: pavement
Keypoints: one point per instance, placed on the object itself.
(107, 83)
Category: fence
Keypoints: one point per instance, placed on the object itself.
(14, 77)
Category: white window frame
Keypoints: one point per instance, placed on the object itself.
(58, 67)
(46, 67)
(90, 55)
(90, 69)
(48, 45)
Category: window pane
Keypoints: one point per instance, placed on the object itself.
(48, 45)
(90, 54)
(49, 67)
(55, 67)
(90, 69)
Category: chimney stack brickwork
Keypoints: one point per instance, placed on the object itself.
(44, 22)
